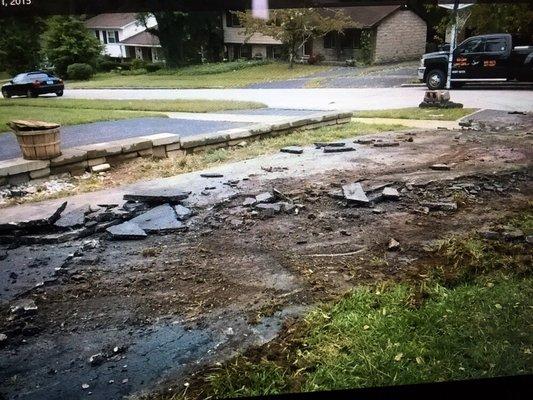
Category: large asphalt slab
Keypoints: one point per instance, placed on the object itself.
(97, 132)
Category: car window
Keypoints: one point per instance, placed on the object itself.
(19, 78)
(38, 77)
(495, 45)
(472, 46)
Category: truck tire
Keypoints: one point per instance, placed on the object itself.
(436, 79)
(31, 94)
(6, 94)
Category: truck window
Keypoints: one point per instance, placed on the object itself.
(495, 46)
(472, 46)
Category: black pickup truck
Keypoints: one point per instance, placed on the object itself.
(486, 58)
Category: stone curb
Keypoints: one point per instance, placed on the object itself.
(78, 159)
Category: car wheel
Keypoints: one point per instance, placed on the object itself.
(436, 79)
(6, 94)
(31, 94)
(60, 93)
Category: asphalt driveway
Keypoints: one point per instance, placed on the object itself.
(97, 132)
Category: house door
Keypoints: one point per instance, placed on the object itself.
(308, 48)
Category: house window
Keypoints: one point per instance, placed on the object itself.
(232, 20)
(112, 37)
(330, 40)
(97, 33)
(351, 39)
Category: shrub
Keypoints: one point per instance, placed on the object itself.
(153, 67)
(79, 71)
(137, 64)
(109, 65)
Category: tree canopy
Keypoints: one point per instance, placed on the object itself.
(294, 27)
(20, 44)
(67, 41)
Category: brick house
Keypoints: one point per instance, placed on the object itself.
(124, 37)
(395, 34)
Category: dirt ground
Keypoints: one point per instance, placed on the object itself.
(159, 309)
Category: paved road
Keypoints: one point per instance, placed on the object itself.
(77, 135)
(326, 99)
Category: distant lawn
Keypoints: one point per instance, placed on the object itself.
(72, 112)
(435, 114)
(199, 106)
(66, 116)
(212, 76)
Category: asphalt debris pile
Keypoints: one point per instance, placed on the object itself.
(156, 211)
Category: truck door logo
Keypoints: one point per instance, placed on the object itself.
(489, 63)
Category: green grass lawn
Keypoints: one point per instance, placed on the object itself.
(437, 114)
(215, 76)
(475, 321)
(71, 112)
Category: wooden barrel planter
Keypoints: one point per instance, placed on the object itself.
(37, 140)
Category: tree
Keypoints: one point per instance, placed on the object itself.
(294, 27)
(67, 41)
(20, 44)
(186, 37)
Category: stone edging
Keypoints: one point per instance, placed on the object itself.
(78, 160)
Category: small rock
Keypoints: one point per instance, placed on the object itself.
(529, 239)
(394, 245)
(440, 167)
(24, 307)
(440, 206)
(100, 168)
(268, 209)
(292, 150)
(514, 235)
(85, 386)
(490, 235)
(265, 197)
(390, 194)
(96, 359)
(3, 338)
(392, 143)
(377, 211)
(336, 149)
(211, 175)
(183, 213)
(364, 141)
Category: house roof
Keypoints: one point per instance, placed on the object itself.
(142, 39)
(367, 16)
(115, 20)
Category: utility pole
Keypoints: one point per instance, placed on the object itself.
(453, 44)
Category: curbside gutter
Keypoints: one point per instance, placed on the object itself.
(78, 160)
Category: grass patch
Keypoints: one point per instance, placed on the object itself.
(386, 335)
(198, 106)
(216, 76)
(66, 116)
(433, 114)
(146, 168)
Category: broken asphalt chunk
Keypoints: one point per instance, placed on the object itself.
(440, 167)
(364, 141)
(269, 209)
(35, 222)
(183, 213)
(292, 150)
(159, 219)
(392, 143)
(211, 175)
(126, 231)
(74, 218)
(330, 144)
(157, 196)
(249, 201)
(440, 206)
(390, 194)
(354, 193)
(265, 197)
(335, 149)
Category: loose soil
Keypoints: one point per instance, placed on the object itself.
(173, 304)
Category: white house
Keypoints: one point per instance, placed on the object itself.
(124, 37)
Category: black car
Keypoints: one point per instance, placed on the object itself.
(32, 84)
